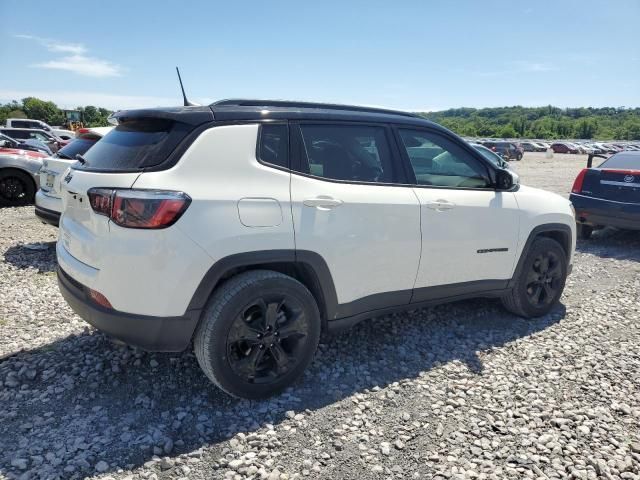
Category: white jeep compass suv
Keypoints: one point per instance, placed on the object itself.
(250, 227)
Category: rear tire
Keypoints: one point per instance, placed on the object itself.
(584, 231)
(258, 334)
(540, 281)
(16, 188)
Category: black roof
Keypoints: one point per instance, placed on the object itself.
(251, 109)
(248, 110)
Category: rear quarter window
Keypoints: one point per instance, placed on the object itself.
(274, 145)
(135, 145)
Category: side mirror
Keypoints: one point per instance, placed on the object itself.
(506, 179)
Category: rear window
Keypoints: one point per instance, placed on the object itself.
(78, 146)
(135, 145)
(623, 161)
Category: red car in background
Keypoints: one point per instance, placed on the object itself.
(560, 147)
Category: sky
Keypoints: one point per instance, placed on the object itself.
(404, 54)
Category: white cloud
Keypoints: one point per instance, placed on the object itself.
(56, 46)
(91, 67)
(76, 62)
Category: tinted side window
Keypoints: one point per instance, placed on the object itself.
(18, 134)
(274, 145)
(347, 152)
(20, 124)
(437, 161)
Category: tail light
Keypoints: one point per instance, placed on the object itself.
(577, 184)
(151, 209)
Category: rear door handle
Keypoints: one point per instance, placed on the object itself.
(440, 205)
(322, 202)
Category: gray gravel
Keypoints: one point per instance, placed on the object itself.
(462, 391)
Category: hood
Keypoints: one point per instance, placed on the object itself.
(22, 153)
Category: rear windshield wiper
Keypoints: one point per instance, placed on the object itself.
(81, 159)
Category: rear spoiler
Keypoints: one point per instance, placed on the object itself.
(590, 158)
(189, 115)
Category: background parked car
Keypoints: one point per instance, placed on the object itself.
(48, 201)
(532, 147)
(507, 150)
(62, 133)
(19, 176)
(608, 194)
(563, 147)
(31, 145)
(23, 134)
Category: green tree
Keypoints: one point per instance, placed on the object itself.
(41, 110)
(585, 128)
(507, 131)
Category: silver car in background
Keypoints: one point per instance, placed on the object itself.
(48, 198)
(19, 177)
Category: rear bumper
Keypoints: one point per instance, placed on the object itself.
(48, 208)
(598, 211)
(48, 216)
(158, 334)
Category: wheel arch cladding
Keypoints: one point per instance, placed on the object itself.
(307, 267)
(559, 232)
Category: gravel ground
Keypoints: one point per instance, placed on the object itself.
(459, 391)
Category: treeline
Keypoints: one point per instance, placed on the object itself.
(503, 122)
(542, 122)
(49, 112)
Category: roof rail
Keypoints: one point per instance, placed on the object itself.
(294, 104)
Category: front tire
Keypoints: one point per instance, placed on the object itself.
(16, 188)
(540, 281)
(258, 334)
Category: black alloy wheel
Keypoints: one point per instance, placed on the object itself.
(16, 188)
(539, 279)
(544, 279)
(258, 333)
(266, 338)
(12, 189)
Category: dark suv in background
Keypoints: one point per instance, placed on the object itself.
(507, 150)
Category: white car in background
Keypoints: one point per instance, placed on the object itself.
(62, 133)
(48, 200)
